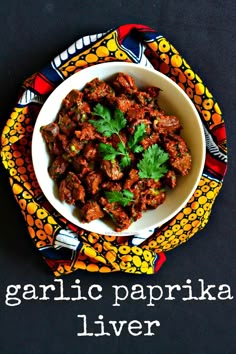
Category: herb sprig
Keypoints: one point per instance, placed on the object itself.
(154, 163)
(108, 152)
(122, 197)
(134, 140)
(109, 124)
(154, 160)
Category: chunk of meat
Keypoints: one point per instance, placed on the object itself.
(170, 179)
(147, 194)
(118, 214)
(50, 132)
(90, 151)
(135, 114)
(73, 97)
(179, 155)
(148, 98)
(55, 147)
(64, 140)
(153, 91)
(93, 180)
(124, 83)
(74, 147)
(165, 124)
(91, 211)
(86, 132)
(154, 198)
(112, 186)
(112, 170)
(154, 138)
(71, 189)
(133, 177)
(96, 90)
(80, 165)
(142, 97)
(80, 112)
(122, 102)
(75, 106)
(136, 211)
(58, 167)
(66, 124)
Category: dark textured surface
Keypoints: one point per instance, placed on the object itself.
(205, 33)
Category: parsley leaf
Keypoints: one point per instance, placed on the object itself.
(108, 124)
(119, 121)
(153, 164)
(122, 197)
(139, 133)
(107, 151)
(125, 161)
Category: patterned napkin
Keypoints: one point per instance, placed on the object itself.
(66, 247)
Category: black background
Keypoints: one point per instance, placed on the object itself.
(32, 33)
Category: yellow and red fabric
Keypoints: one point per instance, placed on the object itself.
(92, 251)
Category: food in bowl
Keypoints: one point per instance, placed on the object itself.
(171, 98)
(114, 151)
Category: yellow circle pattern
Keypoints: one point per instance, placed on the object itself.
(190, 220)
(175, 66)
(107, 49)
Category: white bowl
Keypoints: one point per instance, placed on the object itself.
(171, 98)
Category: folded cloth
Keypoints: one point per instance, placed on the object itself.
(66, 247)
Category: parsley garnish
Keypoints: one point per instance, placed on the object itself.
(110, 153)
(108, 124)
(153, 164)
(139, 133)
(122, 197)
